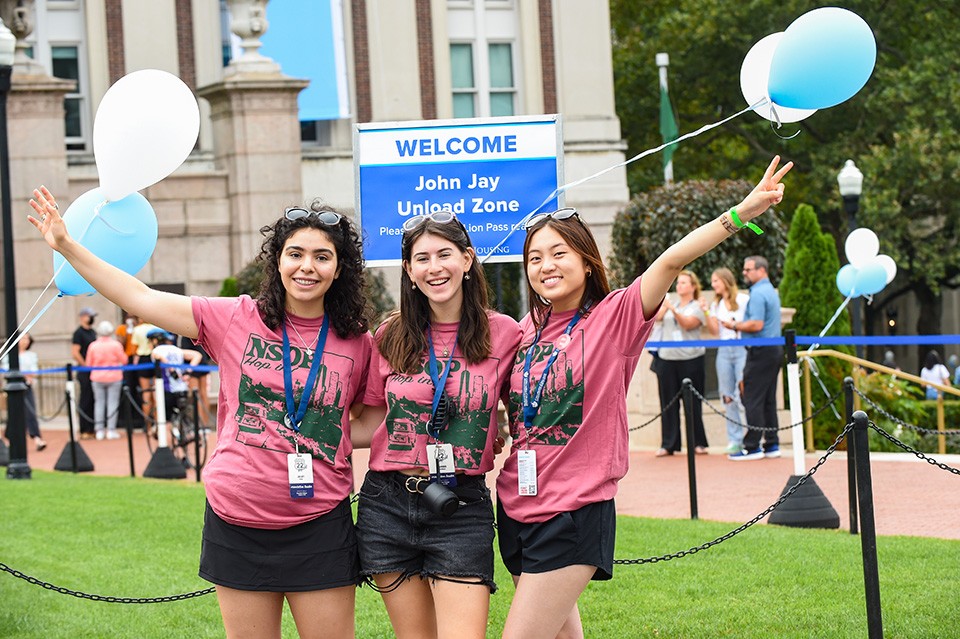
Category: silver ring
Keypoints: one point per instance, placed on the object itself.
(56, 206)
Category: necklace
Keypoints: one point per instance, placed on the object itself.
(303, 341)
(446, 348)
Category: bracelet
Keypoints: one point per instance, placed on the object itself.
(750, 225)
(728, 225)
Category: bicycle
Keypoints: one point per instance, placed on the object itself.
(187, 435)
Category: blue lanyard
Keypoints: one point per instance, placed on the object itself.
(439, 383)
(293, 418)
(531, 405)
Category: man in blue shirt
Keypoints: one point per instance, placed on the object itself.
(761, 372)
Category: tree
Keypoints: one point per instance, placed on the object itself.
(809, 286)
(654, 220)
(901, 128)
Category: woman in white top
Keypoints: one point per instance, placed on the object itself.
(729, 304)
(934, 371)
(681, 322)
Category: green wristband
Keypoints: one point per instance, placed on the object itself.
(739, 223)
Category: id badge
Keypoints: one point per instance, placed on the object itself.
(300, 474)
(442, 453)
(527, 471)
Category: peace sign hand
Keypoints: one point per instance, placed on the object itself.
(767, 192)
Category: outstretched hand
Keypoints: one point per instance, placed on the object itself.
(767, 192)
(47, 218)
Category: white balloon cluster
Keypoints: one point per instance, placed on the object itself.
(867, 273)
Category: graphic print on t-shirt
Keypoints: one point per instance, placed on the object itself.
(561, 406)
(261, 408)
(467, 428)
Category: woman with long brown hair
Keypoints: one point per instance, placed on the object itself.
(556, 519)
(425, 517)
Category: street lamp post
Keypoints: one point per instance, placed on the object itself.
(15, 387)
(850, 180)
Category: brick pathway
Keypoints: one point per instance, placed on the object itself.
(911, 497)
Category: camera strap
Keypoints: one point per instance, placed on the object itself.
(440, 456)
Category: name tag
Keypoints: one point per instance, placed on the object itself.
(300, 475)
(440, 461)
(527, 471)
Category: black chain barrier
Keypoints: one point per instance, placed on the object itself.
(105, 598)
(660, 414)
(42, 418)
(900, 422)
(737, 531)
(803, 421)
(907, 448)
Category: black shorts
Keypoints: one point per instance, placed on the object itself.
(316, 555)
(584, 537)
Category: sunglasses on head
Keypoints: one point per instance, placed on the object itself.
(327, 218)
(440, 217)
(561, 214)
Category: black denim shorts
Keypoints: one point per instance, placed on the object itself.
(398, 533)
(584, 537)
(316, 555)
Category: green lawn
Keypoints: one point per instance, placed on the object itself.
(141, 538)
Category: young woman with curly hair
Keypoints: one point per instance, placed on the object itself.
(425, 518)
(278, 524)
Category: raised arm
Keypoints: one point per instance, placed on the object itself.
(660, 275)
(166, 310)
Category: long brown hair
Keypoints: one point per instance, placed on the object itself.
(726, 276)
(578, 237)
(404, 340)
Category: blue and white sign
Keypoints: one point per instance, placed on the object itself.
(491, 172)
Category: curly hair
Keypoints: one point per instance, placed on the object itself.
(404, 340)
(345, 302)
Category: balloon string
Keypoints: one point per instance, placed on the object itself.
(8, 345)
(832, 320)
(643, 154)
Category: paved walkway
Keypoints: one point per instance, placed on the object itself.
(911, 497)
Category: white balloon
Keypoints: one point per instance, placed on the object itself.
(888, 265)
(754, 74)
(146, 126)
(861, 246)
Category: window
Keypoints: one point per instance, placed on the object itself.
(483, 76)
(65, 64)
(464, 89)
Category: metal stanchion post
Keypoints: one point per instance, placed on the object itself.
(868, 532)
(73, 457)
(691, 445)
(128, 425)
(851, 457)
(196, 431)
(163, 464)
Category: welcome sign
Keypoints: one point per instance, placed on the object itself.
(491, 172)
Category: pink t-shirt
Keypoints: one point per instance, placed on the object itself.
(580, 433)
(400, 442)
(246, 478)
(105, 351)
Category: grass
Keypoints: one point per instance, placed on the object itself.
(141, 538)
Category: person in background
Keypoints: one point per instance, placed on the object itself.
(131, 378)
(199, 380)
(145, 376)
(29, 364)
(681, 322)
(935, 372)
(728, 304)
(761, 370)
(176, 379)
(890, 360)
(106, 351)
(83, 337)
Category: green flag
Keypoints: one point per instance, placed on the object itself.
(668, 125)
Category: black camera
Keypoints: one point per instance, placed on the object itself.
(440, 499)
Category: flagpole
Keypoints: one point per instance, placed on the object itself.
(663, 61)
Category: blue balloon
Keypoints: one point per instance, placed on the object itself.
(847, 280)
(871, 278)
(823, 59)
(122, 233)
